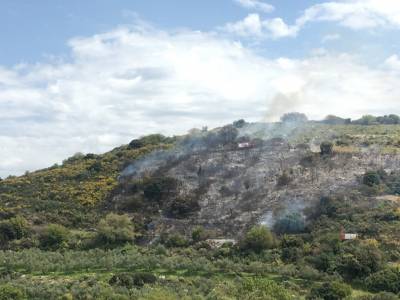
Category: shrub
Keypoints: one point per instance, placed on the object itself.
(292, 248)
(148, 140)
(239, 123)
(360, 260)
(385, 280)
(175, 240)
(326, 148)
(53, 237)
(292, 223)
(135, 144)
(257, 239)
(13, 229)
(159, 188)
(257, 288)
(366, 120)
(294, 117)
(380, 296)
(329, 291)
(227, 134)
(130, 280)
(199, 234)
(182, 207)
(335, 120)
(9, 292)
(371, 178)
(284, 179)
(328, 206)
(115, 230)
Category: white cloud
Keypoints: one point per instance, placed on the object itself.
(249, 26)
(253, 26)
(354, 14)
(255, 5)
(330, 37)
(129, 82)
(393, 62)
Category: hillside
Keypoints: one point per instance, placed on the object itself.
(304, 181)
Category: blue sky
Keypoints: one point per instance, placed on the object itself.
(35, 31)
(91, 75)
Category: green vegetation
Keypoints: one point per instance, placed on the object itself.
(257, 239)
(64, 234)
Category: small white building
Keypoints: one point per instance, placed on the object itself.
(244, 145)
(347, 236)
(218, 243)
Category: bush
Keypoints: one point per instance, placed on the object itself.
(292, 223)
(385, 280)
(175, 240)
(199, 234)
(294, 117)
(257, 239)
(53, 237)
(335, 120)
(328, 206)
(326, 148)
(239, 123)
(329, 291)
(159, 188)
(9, 292)
(152, 139)
(182, 207)
(284, 180)
(373, 178)
(292, 248)
(115, 230)
(13, 229)
(131, 280)
(360, 260)
(257, 288)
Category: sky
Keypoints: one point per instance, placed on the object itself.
(87, 76)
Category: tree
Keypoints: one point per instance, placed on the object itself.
(53, 236)
(330, 291)
(239, 123)
(386, 280)
(115, 230)
(260, 288)
(292, 248)
(199, 234)
(13, 229)
(360, 260)
(159, 188)
(294, 117)
(228, 134)
(9, 292)
(366, 120)
(181, 207)
(335, 120)
(371, 178)
(258, 238)
(291, 223)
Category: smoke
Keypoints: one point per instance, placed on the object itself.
(282, 103)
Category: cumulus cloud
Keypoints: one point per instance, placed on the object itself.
(134, 81)
(393, 62)
(253, 26)
(353, 14)
(255, 5)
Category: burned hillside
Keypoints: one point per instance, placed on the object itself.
(231, 178)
